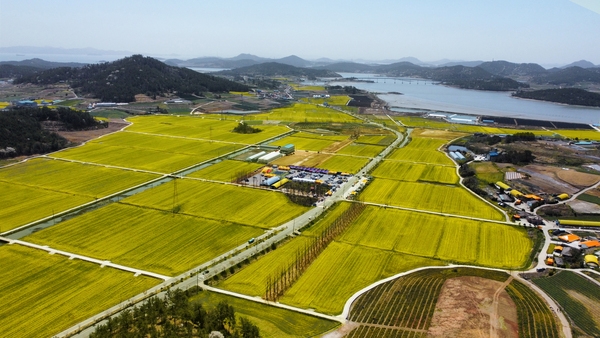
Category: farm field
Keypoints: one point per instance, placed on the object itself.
(72, 178)
(304, 143)
(426, 196)
(409, 154)
(23, 204)
(334, 100)
(360, 149)
(273, 322)
(380, 140)
(341, 270)
(302, 112)
(413, 172)
(436, 133)
(374, 331)
(487, 171)
(36, 286)
(409, 302)
(229, 203)
(420, 122)
(226, 171)
(126, 157)
(580, 134)
(146, 239)
(203, 128)
(578, 297)
(535, 318)
(447, 238)
(307, 88)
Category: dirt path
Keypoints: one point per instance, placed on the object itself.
(494, 318)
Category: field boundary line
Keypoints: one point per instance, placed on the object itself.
(359, 293)
(435, 213)
(102, 263)
(102, 165)
(381, 326)
(81, 206)
(184, 137)
(274, 304)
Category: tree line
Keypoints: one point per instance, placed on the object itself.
(281, 281)
(176, 316)
(22, 131)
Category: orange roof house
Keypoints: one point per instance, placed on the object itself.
(569, 238)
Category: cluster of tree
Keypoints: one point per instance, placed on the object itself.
(121, 80)
(514, 157)
(526, 136)
(470, 179)
(282, 280)
(496, 84)
(22, 133)
(574, 96)
(343, 90)
(245, 128)
(278, 69)
(305, 194)
(176, 316)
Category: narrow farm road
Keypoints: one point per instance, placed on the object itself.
(494, 320)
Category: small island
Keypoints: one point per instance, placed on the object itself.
(573, 96)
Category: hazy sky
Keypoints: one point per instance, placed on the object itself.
(542, 31)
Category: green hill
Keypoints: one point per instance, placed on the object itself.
(121, 80)
(278, 69)
(573, 96)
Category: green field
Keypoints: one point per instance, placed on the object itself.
(534, 316)
(579, 134)
(360, 149)
(305, 143)
(348, 164)
(226, 171)
(445, 238)
(73, 178)
(424, 153)
(335, 100)
(380, 140)
(273, 322)
(22, 204)
(413, 172)
(420, 122)
(302, 112)
(487, 172)
(203, 128)
(145, 152)
(44, 294)
(146, 239)
(229, 203)
(425, 196)
(579, 298)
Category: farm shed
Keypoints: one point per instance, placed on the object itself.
(270, 157)
(558, 248)
(272, 180)
(570, 252)
(549, 261)
(559, 261)
(533, 197)
(589, 246)
(537, 220)
(591, 261)
(502, 185)
(569, 238)
(288, 149)
(573, 222)
(278, 184)
(255, 156)
(516, 193)
(563, 197)
(505, 198)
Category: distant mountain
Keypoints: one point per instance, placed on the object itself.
(569, 76)
(349, 67)
(42, 64)
(461, 63)
(121, 80)
(278, 69)
(295, 61)
(505, 68)
(581, 64)
(573, 96)
(252, 57)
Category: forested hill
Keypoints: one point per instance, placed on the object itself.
(22, 131)
(574, 96)
(278, 69)
(121, 80)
